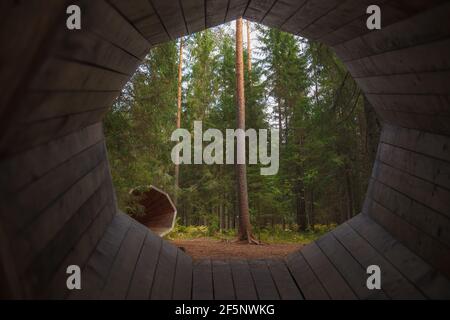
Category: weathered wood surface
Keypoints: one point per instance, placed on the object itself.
(305, 277)
(286, 287)
(222, 280)
(264, 283)
(131, 262)
(58, 201)
(202, 281)
(243, 281)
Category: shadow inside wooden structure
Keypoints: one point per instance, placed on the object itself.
(159, 212)
(58, 201)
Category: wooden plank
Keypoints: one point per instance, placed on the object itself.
(34, 24)
(425, 122)
(286, 285)
(194, 14)
(124, 36)
(430, 144)
(132, 10)
(327, 274)
(21, 170)
(119, 279)
(265, 286)
(281, 11)
(80, 253)
(236, 9)
(422, 191)
(9, 278)
(91, 48)
(393, 283)
(84, 77)
(26, 136)
(144, 18)
(222, 280)
(421, 166)
(152, 28)
(183, 277)
(433, 105)
(432, 284)
(62, 104)
(395, 17)
(43, 230)
(144, 273)
(409, 32)
(216, 11)
(428, 83)
(426, 220)
(310, 286)
(425, 246)
(347, 12)
(356, 28)
(51, 186)
(171, 16)
(404, 60)
(258, 9)
(202, 282)
(46, 257)
(308, 13)
(243, 282)
(162, 287)
(99, 265)
(354, 273)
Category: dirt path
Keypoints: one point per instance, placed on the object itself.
(219, 249)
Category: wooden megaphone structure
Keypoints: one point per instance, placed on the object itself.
(159, 212)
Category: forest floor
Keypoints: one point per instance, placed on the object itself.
(202, 248)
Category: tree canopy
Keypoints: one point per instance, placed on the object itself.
(295, 85)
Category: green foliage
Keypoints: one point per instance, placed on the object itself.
(138, 128)
(188, 232)
(266, 235)
(296, 85)
(291, 235)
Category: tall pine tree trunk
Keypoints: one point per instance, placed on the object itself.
(245, 228)
(180, 79)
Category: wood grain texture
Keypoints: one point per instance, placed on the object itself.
(144, 272)
(162, 286)
(257, 10)
(333, 282)
(222, 280)
(431, 283)
(395, 285)
(242, 280)
(171, 16)
(202, 281)
(284, 282)
(121, 272)
(58, 203)
(353, 271)
(310, 286)
(97, 269)
(262, 278)
(194, 13)
(182, 286)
